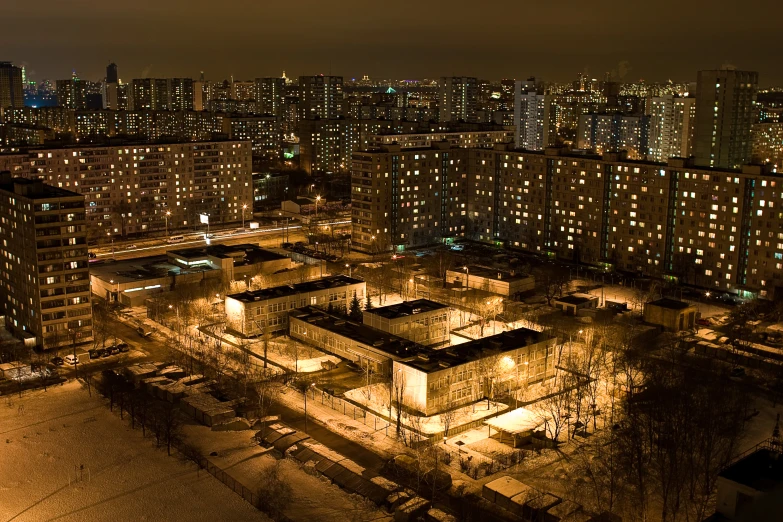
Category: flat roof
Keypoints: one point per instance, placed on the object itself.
(492, 273)
(575, 299)
(379, 340)
(325, 283)
(141, 269)
(433, 360)
(33, 188)
(762, 470)
(406, 308)
(672, 304)
(251, 253)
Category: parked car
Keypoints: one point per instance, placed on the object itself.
(287, 245)
(92, 255)
(72, 359)
(704, 322)
(105, 352)
(132, 247)
(112, 350)
(144, 331)
(122, 346)
(58, 361)
(94, 354)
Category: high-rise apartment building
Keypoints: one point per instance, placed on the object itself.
(714, 228)
(614, 132)
(534, 117)
(45, 275)
(320, 97)
(181, 94)
(768, 144)
(672, 120)
(72, 93)
(270, 94)
(150, 93)
(724, 115)
(457, 98)
(129, 188)
(243, 90)
(11, 90)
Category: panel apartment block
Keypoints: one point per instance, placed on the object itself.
(45, 275)
(129, 188)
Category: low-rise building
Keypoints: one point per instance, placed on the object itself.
(131, 281)
(438, 380)
(671, 314)
(499, 282)
(259, 311)
(362, 344)
(751, 486)
(571, 304)
(423, 321)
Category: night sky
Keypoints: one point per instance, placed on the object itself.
(552, 40)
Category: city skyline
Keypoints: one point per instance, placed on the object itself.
(435, 44)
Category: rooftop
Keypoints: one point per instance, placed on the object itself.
(249, 253)
(299, 288)
(406, 308)
(394, 346)
(433, 360)
(33, 188)
(762, 470)
(141, 269)
(492, 273)
(671, 304)
(575, 299)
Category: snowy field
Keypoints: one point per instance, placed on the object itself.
(314, 498)
(46, 436)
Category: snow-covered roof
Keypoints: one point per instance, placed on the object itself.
(516, 421)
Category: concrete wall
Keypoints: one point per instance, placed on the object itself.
(671, 320)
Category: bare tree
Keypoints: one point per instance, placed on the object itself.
(274, 493)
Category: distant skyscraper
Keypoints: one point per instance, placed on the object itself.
(614, 132)
(111, 73)
(150, 93)
(457, 100)
(534, 117)
(320, 97)
(724, 116)
(671, 127)
(181, 93)
(270, 93)
(11, 91)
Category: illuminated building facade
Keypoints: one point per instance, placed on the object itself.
(45, 276)
(128, 189)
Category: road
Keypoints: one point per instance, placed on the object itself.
(268, 236)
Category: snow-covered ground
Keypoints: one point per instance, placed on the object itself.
(46, 436)
(314, 498)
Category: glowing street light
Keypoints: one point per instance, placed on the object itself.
(317, 199)
(167, 216)
(244, 207)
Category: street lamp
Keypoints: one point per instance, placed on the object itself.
(244, 207)
(167, 215)
(348, 266)
(312, 385)
(467, 277)
(108, 234)
(317, 199)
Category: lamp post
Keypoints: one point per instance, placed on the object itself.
(467, 277)
(317, 199)
(305, 403)
(244, 207)
(348, 266)
(108, 234)
(167, 215)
